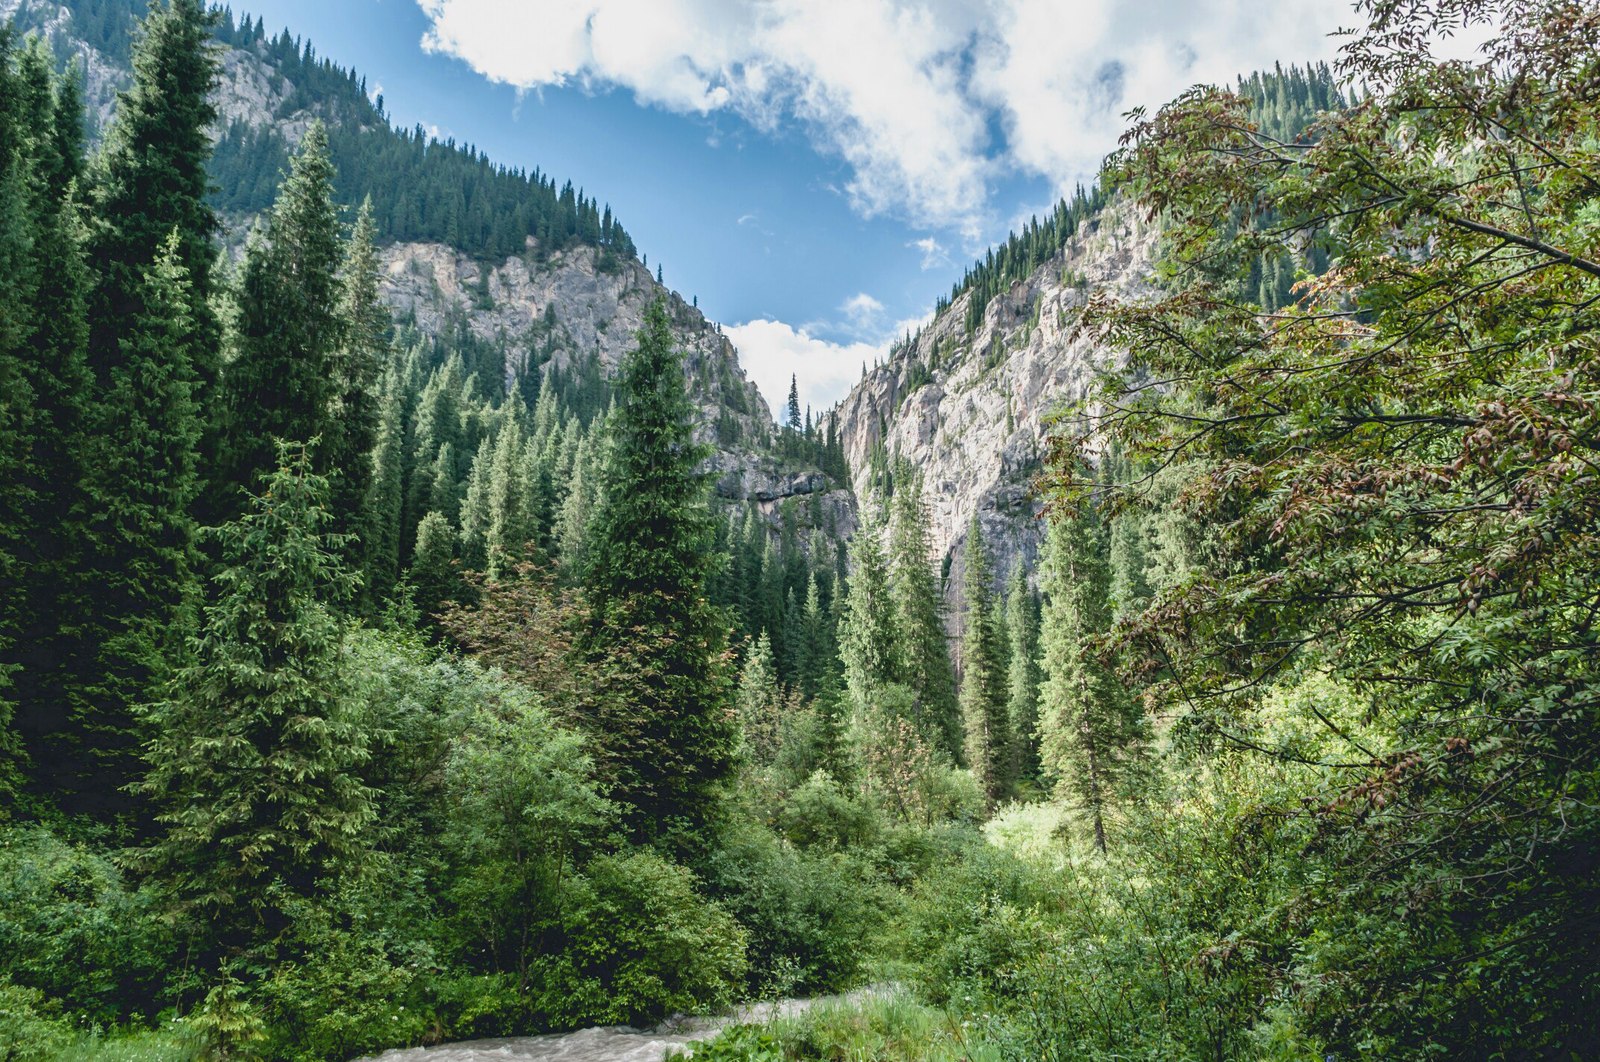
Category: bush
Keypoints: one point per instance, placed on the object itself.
(810, 915)
(885, 1028)
(821, 814)
(29, 1032)
(638, 944)
(71, 928)
(346, 984)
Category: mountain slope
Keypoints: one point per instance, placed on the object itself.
(966, 401)
(507, 256)
(967, 409)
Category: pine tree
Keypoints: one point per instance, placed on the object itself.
(152, 182)
(665, 731)
(1022, 686)
(983, 682)
(869, 642)
(281, 385)
(793, 422)
(433, 569)
(255, 750)
(139, 560)
(356, 366)
(914, 594)
(759, 701)
(1090, 728)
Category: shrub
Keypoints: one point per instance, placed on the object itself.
(821, 814)
(810, 915)
(71, 928)
(346, 984)
(29, 1032)
(639, 944)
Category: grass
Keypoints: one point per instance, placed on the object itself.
(889, 1027)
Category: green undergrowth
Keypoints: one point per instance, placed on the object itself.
(891, 1027)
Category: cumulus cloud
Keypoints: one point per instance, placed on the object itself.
(934, 254)
(928, 102)
(863, 315)
(772, 351)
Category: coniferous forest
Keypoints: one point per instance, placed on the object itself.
(370, 686)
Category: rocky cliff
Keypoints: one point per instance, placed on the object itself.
(583, 307)
(969, 411)
(574, 302)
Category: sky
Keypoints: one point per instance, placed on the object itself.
(814, 172)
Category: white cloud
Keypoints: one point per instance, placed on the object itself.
(863, 314)
(909, 93)
(772, 351)
(934, 254)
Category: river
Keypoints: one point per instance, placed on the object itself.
(612, 1044)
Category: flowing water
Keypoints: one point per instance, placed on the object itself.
(612, 1044)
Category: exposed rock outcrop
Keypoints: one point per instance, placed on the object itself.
(969, 411)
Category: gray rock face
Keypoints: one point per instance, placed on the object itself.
(103, 78)
(594, 308)
(593, 311)
(978, 429)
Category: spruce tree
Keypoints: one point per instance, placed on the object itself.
(793, 409)
(151, 182)
(255, 749)
(665, 730)
(1022, 686)
(1090, 728)
(280, 385)
(914, 593)
(356, 367)
(759, 702)
(382, 508)
(44, 412)
(869, 642)
(139, 561)
(433, 570)
(152, 354)
(983, 681)
(572, 524)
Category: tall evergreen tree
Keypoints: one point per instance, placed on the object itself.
(869, 643)
(914, 594)
(383, 507)
(983, 681)
(433, 569)
(255, 750)
(759, 701)
(280, 385)
(152, 355)
(1090, 728)
(44, 396)
(150, 182)
(1022, 685)
(793, 408)
(665, 730)
(139, 559)
(357, 364)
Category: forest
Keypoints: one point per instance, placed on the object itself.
(364, 687)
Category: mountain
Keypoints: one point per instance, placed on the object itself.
(968, 408)
(509, 257)
(966, 403)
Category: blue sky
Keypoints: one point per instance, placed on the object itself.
(815, 172)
